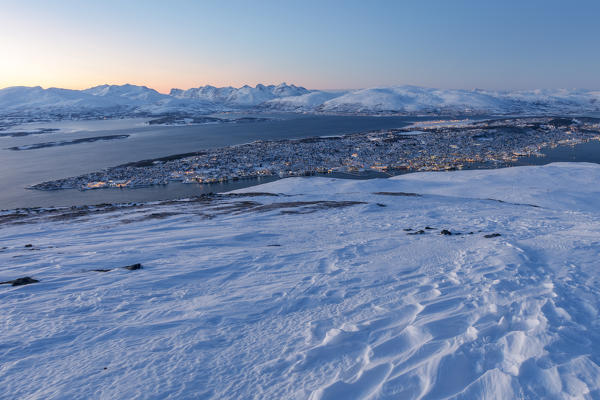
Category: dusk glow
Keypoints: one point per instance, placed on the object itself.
(317, 44)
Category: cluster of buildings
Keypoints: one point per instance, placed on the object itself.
(421, 147)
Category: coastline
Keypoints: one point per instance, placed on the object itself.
(435, 146)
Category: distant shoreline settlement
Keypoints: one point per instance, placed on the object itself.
(424, 146)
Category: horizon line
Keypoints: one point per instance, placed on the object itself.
(300, 86)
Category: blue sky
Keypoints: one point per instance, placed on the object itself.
(317, 44)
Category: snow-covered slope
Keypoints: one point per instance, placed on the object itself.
(322, 294)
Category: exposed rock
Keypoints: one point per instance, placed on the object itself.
(445, 232)
(20, 281)
(133, 267)
(406, 194)
(491, 235)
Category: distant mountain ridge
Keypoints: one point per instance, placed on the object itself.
(415, 100)
(132, 100)
(244, 96)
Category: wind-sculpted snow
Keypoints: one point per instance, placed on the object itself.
(320, 292)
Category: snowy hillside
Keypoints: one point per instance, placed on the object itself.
(449, 285)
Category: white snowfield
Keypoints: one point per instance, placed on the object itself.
(289, 297)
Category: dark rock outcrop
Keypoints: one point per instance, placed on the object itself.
(491, 235)
(133, 267)
(20, 281)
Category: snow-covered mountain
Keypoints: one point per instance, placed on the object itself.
(111, 100)
(412, 99)
(36, 99)
(305, 102)
(127, 94)
(416, 100)
(245, 96)
(98, 101)
(105, 100)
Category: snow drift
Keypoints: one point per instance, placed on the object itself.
(341, 289)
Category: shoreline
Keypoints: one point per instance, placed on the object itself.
(13, 215)
(435, 146)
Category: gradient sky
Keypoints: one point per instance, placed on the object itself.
(322, 44)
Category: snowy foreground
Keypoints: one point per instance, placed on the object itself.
(322, 294)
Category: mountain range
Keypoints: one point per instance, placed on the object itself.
(132, 100)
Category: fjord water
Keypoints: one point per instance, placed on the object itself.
(20, 169)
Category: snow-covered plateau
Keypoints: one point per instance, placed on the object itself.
(110, 101)
(479, 284)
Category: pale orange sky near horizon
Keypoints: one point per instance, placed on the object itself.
(37, 64)
(50, 50)
(165, 88)
(37, 68)
(334, 44)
